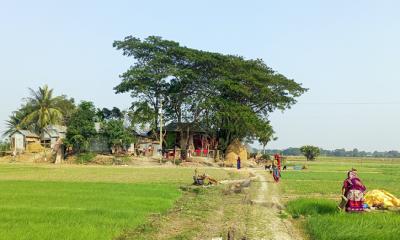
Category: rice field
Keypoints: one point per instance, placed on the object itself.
(85, 202)
(313, 194)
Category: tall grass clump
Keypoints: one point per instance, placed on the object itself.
(324, 222)
(84, 158)
(361, 226)
(308, 207)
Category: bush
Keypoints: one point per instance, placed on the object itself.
(123, 160)
(266, 157)
(4, 146)
(84, 158)
(309, 207)
(177, 161)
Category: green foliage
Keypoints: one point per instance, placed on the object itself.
(40, 110)
(228, 96)
(44, 110)
(4, 147)
(146, 80)
(310, 152)
(84, 158)
(116, 134)
(81, 127)
(108, 114)
(14, 123)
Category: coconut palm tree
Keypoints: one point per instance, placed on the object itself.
(45, 109)
(13, 124)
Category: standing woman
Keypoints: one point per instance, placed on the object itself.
(276, 168)
(353, 189)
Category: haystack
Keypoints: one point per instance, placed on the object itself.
(34, 147)
(236, 149)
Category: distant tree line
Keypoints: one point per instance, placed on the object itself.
(338, 153)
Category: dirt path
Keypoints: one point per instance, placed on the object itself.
(267, 203)
(221, 212)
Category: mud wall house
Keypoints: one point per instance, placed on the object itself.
(21, 140)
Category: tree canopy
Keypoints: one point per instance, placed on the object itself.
(81, 126)
(118, 137)
(310, 152)
(231, 97)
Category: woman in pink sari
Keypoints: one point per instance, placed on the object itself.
(353, 189)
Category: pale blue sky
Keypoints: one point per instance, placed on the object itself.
(344, 51)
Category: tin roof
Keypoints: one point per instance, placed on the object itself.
(28, 133)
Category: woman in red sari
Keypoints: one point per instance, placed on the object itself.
(276, 167)
(353, 189)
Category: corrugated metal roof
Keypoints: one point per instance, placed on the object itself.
(28, 133)
(54, 131)
(58, 128)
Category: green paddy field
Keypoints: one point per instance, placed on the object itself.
(312, 195)
(84, 202)
(39, 201)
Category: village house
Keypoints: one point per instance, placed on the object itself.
(21, 140)
(51, 134)
(28, 141)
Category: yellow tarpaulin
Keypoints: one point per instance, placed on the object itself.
(378, 198)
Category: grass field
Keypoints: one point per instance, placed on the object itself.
(85, 202)
(313, 195)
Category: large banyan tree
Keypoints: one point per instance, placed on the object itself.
(229, 96)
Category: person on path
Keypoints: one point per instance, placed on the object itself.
(353, 189)
(238, 163)
(276, 167)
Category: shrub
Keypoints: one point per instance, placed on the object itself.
(84, 158)
(4, 146)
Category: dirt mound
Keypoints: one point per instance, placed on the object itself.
(29, 157)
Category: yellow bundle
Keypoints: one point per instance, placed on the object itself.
(34, 147)
(378, 198)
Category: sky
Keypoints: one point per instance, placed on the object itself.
(346, 53)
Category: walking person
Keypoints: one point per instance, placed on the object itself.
(276, 167)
